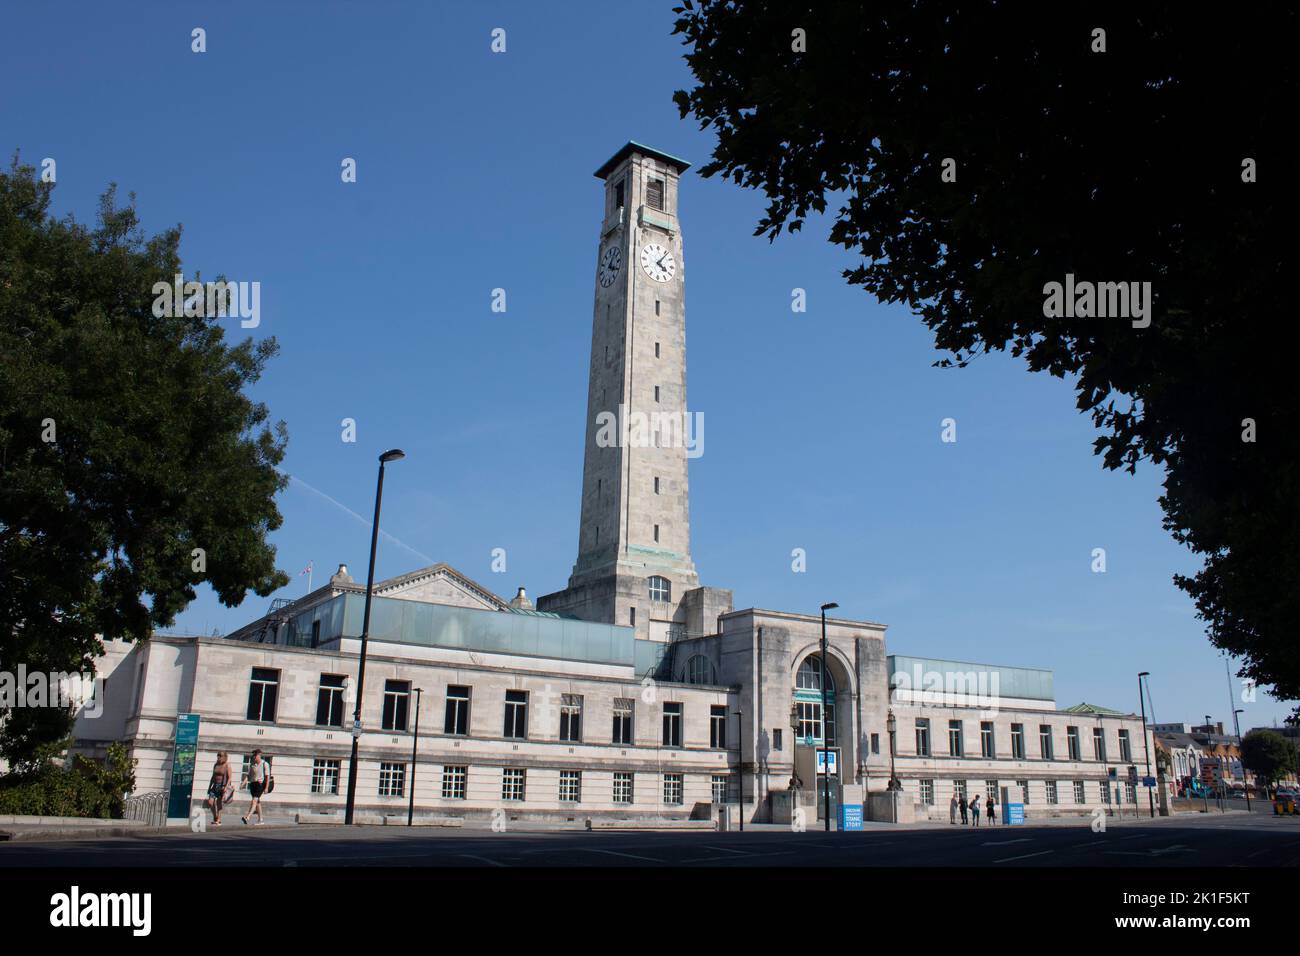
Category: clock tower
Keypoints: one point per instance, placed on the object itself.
(634, 562)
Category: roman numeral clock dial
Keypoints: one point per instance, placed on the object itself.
(610, 262)
(658, 262)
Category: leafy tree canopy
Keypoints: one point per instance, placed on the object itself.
(1151, 153)
(126, 443)
(1268, 755)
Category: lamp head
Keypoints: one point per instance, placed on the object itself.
(393, 454)
(827, 607)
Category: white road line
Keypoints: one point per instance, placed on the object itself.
(1025, 857)
(1089, 843)
(1008, 842)
(630, 856)
(726, 849)
(482, 859)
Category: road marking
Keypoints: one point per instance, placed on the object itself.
(1008, 842)
(726, 849)
(1025, 857)
(482, 859)
(630, 856)
(1090, 843)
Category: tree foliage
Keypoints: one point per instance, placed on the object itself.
(126, 442)
(1127, 165)
(1268, 755)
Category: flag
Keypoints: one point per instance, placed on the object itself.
(306, 570)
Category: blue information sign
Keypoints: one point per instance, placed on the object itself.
(1013, 814)
(850, 816)
(182, 790)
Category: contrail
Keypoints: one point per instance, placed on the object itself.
(340, 505)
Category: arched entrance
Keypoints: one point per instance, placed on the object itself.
(819, 752)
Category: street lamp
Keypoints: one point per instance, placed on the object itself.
(392, 455)
(1151, 797)
(891, 724)
(1244, 782)
(826, 742)
(740, 768)
(415, 745)
(794, 743)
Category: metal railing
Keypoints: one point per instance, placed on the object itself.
(149, 808)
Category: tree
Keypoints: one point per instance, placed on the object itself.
(1268, 755)
(973, 155)
(132, 465)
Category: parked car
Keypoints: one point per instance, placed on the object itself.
(1285, 803)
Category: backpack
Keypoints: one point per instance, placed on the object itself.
(270, 780)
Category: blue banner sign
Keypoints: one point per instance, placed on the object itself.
(186, 749)
(1013, 814)
(850, 816)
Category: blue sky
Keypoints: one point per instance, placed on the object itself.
(475, 172)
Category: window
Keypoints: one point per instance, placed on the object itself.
(1018, 741)
(315, 633)
(1024, 791)
(570, 786)
(1072, 744)
(988, 746)
(718, 727)
(512, 783)
(516, 722)
(700, 670)
(622, 720)
(656, 484)
(720, 786)
(392, 779)
(656, 313)
(1078, 792)
(324, 776)
(654, 193)
(954, 738)
(1051, 791)
(661, 589)
(656, 344)
(571, 717)
(457, 719)
(673, 789)
(656, 393)
(632, 616)
(1045, 741)
(922, 737)
(672, 725)
(453, 783)
(329, 700)
(960, 787)
(1130, 792)
(622, 787)
(1098, 744)
(656, 534)
(927, 792)
(397, 698)
(1125, 749)
(810, 675)
(991, 788)
(262, 694)
(777, 742)
(618, 195)
(1105, 791)
(875, 743)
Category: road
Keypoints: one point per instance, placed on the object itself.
(1199, 841)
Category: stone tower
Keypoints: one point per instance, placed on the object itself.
(634, 562)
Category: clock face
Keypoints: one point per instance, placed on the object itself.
(610, 262)
(658, 262)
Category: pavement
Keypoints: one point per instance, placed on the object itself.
(1194, 840)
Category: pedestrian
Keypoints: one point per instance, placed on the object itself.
(961, 803)
(258, 772)
(975, 810)
(952, 807)
(218, 787)
(988, 806)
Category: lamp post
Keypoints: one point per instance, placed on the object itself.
(415, 745)
(1244, 782)
(826, 742)
(1151, 797)
(1105, 765)
(1294, 723)
(392, 455)
(740, 768)
(891, 724)
(794, 758)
